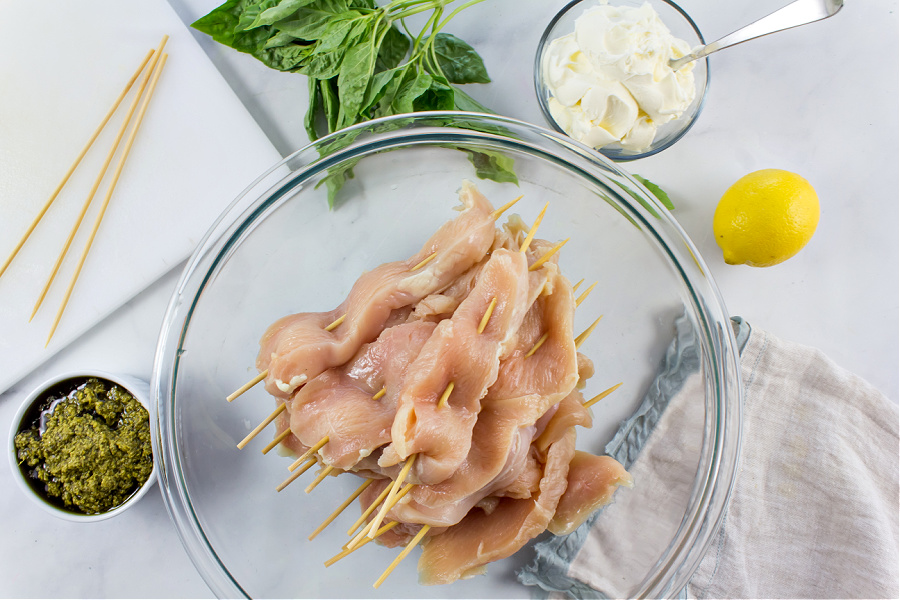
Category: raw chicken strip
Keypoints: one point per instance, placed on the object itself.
(571, 412)
(500, 443)
(551, 373)
(339, 403)
(592, 480)
(297, 348)
(456, 352)
(464, 550)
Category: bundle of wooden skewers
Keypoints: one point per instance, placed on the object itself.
(510, 278)
(148, 72)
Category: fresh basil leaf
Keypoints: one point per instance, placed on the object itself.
(222, 24)
(332, 38)
(284, 58)
(335, 180)
(382, 105)
(330, 102)
(251, 12)
(353, 79)
(345, 31)
(492, 165)
(458, 60)
(376, 91)
(322, 66)
(278, 40)
(463, 101)
(410, 91)
(657, 191)
(312, 111)
(438, 96)
(393, 49)
(221, 21)
(277, 12)
(640, 199)
(311, 22)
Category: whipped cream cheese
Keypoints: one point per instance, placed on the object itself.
(610, 81)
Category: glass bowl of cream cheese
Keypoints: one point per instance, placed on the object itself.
(602, 77)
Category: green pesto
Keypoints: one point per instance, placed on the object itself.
(95, 450)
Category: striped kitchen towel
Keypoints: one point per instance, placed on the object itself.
(814, 512)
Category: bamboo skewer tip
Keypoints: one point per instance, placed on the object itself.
(442, 402)
(424, 262)
(531, 232)
(602, 395)
(412, 544)
(280, 438)
(281, 408)
(548, 255)
(262, 375)
(389, 501)
(496, 214)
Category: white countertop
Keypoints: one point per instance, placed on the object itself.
(821, 100)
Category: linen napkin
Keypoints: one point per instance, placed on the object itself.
(814, 511)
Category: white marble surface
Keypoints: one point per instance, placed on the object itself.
(820, 100)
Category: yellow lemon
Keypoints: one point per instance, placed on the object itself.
(765, 218)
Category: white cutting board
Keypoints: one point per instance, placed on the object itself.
(62, 65)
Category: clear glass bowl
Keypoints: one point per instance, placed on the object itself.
(279, 249)
(682, 27)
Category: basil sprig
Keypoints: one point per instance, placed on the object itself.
(361, 65)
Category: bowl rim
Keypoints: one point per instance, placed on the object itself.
(711, 492)
(616, 154)
(137, 387)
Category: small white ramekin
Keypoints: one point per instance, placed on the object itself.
(138, 388)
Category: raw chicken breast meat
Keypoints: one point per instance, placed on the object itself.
(495, 463)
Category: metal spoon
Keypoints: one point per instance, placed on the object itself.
(794, 14)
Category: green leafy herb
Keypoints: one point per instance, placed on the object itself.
(657, 191)
(361, 64)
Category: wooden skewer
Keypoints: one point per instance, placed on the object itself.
(115, 178)
(65, 179)
(296, 474)
(425, 262)
(93, 191)
(537, 345)
(601, 396)
(368, 511)
(247, 385)
(319, 478)
(496, 214)
(577, 285)
(380, 393)
(347, 551)
(336, 322)
(309, 452)
(261, 426)
(412, 544)
(363, 533)
(533, 229)
(341, 508)
(581, 298)
(587, 332)
(389, 501)
(442, 403)
(539, 262)
(281, 437)
(487, 315)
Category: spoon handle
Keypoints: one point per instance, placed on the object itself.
(799, 12)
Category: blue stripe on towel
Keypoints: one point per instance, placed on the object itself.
(549, 571)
